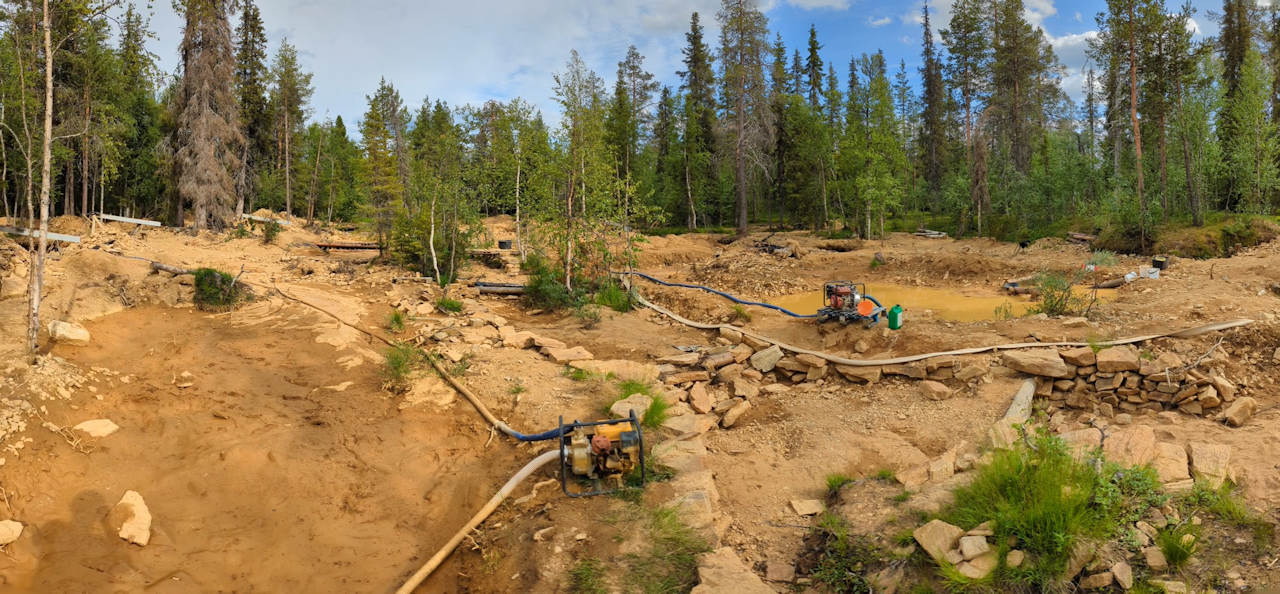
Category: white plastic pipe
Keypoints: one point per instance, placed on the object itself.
(417, 578)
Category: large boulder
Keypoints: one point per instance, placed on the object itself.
(1133, 446)
(766, 359)
(1171, 463)
(1039, 362)
(566, 355)
(1241, 411)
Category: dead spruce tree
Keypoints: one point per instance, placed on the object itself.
(207, 138)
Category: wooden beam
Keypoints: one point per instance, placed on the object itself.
(266, 219)
(51, 235)
(107, 217)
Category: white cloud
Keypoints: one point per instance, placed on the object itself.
(880, 22)
(815, 4)
(462, 52)
(1039, 10)
(1193, 27)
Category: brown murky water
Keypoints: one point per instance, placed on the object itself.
(946, 304)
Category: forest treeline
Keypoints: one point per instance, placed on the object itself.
(981, 139)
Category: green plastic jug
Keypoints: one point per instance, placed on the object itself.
(896, 317)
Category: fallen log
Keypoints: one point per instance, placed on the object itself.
(1111, 284)
(174, 270)
(500, 290)
(1082, 238)
(347, 245)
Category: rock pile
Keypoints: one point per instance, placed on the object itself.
(1120, 380)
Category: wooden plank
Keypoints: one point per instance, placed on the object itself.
(107, 217)
(266, 219)
(347, 245)
(51, 235)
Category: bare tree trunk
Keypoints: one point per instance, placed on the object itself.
(692, 220)
(36, 280)
(242, 185)
(329, 218)
(431, 240)
(288, 169)
(1137, 129)
(1164, 169)
(740, 158)
(84, 159)
(315, 175)
(519, 227)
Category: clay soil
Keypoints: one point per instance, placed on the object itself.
(286, 465)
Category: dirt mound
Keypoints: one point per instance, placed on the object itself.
(69, 225)
(669, 250)
(750, 275)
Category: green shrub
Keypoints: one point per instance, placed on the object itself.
(1050, 500)
(270, 230)
(240, 232)
(217, 290)
(1101, 258)
(449, 305)
(656, 413)
(1057, 296)
(613, 296)
(740, 314)
(844, 560)
(588, 315)
(395, 321)
(545, 287)
(399, 362)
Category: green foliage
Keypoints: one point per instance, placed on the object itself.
(845, 560)
(587, 577)
(517, 388)
(449, 305)
(217, 290)
(1178, 542)
(545, 287)
(1057, 295)
(1102, 258)
(656, 413)
(1050, 501)
(1004, 311)
(740, 314)
(240, 232)
(1227, 505)
(836, 481)
(395, 321)
(885, 475)
(670, 561)
(398, 365)
(270, 230)
(578, 375)
(612, 295)
(588, 315)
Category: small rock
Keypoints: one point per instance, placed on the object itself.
(1123, 574)
(186, 380)
(1241, 411)
(565, 355)
(1015, 558)
(1096, 581)
(97, 427)
(937, 537)
(934, 390)
(807, 507)
(1155, 559)
(1039, 362)
(731, 418)
(979, 567)
(766, 359)
(68, 333)
(986, 528)
(699, 400)
(638, 403)
(10, 530)
(1120, 358)
(972, 546)
(1170, 587)
(131, 519)
(1081, 357)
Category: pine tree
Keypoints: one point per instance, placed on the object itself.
(207, 140)
(933, 135)
(386, 190)
(290, 94)
(743, 30)
(967, 39)
(251, 90)
(698, 111)
(1251, 153)
(813, 69)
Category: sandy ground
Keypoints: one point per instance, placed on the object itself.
(287, 466)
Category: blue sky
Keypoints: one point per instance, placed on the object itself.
(468, 52)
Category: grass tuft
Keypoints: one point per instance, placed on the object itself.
(670, 564)
(615, 297)
(740, 314)
(1178, 543)
(395, 321)
(449, 305)
(398, 366)
(587, 577)
(837, 480)
(845, 560)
